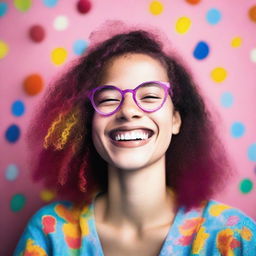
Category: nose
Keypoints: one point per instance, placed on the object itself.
(129, 109)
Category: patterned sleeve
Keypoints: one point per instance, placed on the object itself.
(33, 240)
(239, 239)
(236, 234)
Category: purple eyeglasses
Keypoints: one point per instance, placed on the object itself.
(148, 96)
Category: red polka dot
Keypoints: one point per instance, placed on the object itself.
(33, 84)
(193, 1)
(37, 33)
(49, 224)
(84, 6)
(73, 242)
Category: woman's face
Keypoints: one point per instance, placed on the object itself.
(127, 72)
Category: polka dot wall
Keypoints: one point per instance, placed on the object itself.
(38, 39)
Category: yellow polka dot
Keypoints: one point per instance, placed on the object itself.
(182, 25)
(219, 74)
(84, 226)
(23, 5)
(246, 233)
(72, 230)
(47, 195)
(33, 248)
(4, 49)
(217, 209)
(199, 241)
(156, 7)
(59, 56)
(236, 42)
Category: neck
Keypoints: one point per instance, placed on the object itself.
(138, 199)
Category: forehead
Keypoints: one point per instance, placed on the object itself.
(134, 68)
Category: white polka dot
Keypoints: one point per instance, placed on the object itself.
(61, 22)
(253, 55)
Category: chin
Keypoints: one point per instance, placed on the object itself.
(130, 164)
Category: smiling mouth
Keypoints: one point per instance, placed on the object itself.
(131, 135)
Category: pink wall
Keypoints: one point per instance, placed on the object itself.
(231, 89)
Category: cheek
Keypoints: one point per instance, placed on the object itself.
(165, 119)
(165, 124)
(96, 131)
(97, 124)
(98, 136)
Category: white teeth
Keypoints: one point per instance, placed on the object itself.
(132, 135)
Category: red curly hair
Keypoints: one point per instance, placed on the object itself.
(59, 135)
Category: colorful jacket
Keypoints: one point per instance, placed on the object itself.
(213, 229)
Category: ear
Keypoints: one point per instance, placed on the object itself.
(176, 122)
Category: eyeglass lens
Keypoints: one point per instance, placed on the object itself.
(148, 96)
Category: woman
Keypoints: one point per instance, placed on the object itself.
(126, 137)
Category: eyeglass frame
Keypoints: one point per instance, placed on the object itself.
(165, 85)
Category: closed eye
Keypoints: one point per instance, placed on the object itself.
(151, 97)
(108, 100)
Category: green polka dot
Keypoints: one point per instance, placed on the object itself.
(246, 185)
(22, 5)
(17, 202)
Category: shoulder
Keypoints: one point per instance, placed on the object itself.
(63, 211)
(50, 210)
(226, 216)
(228, 229)
(50, 229)
(216, 218)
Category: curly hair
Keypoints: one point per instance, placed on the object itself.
(59, 135)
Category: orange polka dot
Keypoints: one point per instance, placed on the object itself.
(193, 1)
(252, 13)
(33, 84)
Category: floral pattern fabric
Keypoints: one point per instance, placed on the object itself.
(212, 229)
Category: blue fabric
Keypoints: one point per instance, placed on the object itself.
(212, 229)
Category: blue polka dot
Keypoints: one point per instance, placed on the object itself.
(213, 16)
(11, 172)
(18, 108)
(201, 50)
(227, 99)
(13, 133)
(252, 152)
(50, 3)
(237, 129)
(3, 8)
(79, 46)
